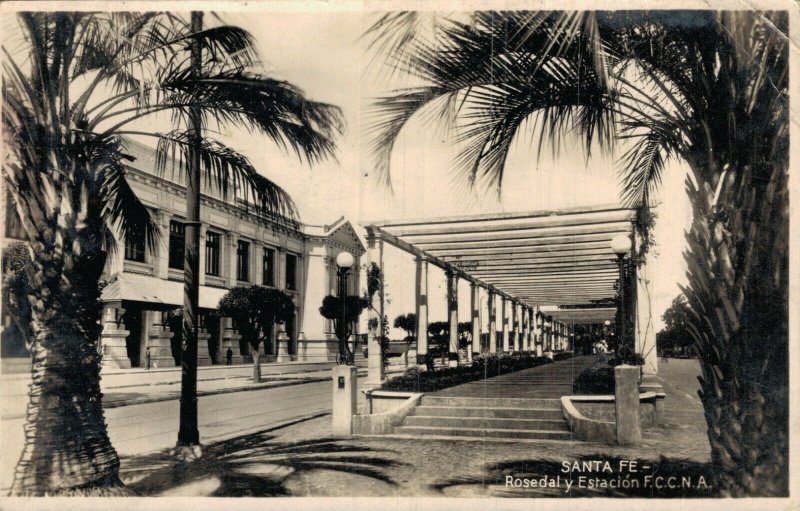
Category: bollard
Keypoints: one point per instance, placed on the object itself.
(344, 399)
(626, 379)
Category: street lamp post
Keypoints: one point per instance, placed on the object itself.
(621, 245)
(344, 261)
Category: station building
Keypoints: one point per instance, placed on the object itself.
(143, 289)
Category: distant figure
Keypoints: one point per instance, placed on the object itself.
(147, 357)
(229, 356)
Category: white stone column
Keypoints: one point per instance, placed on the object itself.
(112, 339)
(506, 329)
(229, 256)
(422, 311)
(644, 330)
(161, 256)
(539, 321)
(376, 312)
(492, 322)
(452, 318)
(517, 331)
(476, 320)
(526, 329)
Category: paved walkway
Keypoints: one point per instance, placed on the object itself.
(546, 381)
(304, 460)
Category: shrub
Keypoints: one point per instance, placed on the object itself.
(484, 366)
(597, 379)
(564, 355)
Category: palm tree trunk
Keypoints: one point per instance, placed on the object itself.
(67, 449)
(738, 292)
(256, 363)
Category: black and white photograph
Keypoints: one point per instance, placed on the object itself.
(343, 255)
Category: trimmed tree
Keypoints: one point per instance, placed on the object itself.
(256, 309)
(332, 309)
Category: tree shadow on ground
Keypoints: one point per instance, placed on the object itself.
(251, 465)
(663, 478)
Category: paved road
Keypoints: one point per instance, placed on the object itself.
(137, 429)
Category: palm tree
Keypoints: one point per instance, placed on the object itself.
(707, 88)
(74, 84)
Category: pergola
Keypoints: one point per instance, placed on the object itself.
(528, 260)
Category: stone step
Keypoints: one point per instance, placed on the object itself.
(481, 432)
(487, 423)
(490, 412)
(503, 402)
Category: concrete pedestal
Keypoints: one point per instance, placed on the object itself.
(230, 339)
(112, 340)
(159, 341)
(626, 379)
(344, 399)
(282, 344)
(203, 358)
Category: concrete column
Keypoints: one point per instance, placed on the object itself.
(517, 346)
(161, 256)
(344, 399)
(452, 318)
(230, 339)
(203, 358)
(526, 329)
(229, 257)
(202, 255)
(476, 319)
(159, 337)
(626, 400)
(376, 312)
(537, 318)
(644, 331)
(506, 330)
(112, 339)
(422, 311)
(492, 322)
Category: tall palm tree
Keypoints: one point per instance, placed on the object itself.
(707, 88)
(74, 84)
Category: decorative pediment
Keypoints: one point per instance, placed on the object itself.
(343, 233)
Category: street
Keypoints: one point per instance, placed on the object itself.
(137, 429)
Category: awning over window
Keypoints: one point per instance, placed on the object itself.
(144, 288)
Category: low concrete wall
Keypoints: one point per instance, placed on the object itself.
(586, 429)
(386, 411)
(592, 418)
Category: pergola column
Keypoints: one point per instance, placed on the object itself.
(644, 330)
(375, 373)
(539, 332)
(452, 317)
(492, 322)
(526, 329)
(517, 331)
(422, 311)
(475, 302)
(506, 327)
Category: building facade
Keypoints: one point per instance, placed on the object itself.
(143, 288)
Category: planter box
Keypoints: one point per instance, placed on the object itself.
(385, 410)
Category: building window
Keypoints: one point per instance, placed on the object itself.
(177, 240)
(291, 272)
(134, 249)
(212, 253)
(242, 261)
(269, 267)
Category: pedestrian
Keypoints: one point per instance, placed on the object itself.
(147, 357)
(229, 356)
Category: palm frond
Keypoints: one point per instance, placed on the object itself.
(226, 170)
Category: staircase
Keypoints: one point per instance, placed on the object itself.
(521, 405)
(479, 417)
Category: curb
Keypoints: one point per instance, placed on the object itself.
(157, 399)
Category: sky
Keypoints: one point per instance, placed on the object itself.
(324, 55)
